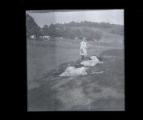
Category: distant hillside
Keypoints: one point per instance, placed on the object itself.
(90, 30)
(73, 30)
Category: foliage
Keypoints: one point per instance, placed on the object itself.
(72, 30)
(44, 30)
(31, 27)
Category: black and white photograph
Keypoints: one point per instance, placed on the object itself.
(75, 60)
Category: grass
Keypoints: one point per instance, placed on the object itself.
(58, 93)
(49, 92)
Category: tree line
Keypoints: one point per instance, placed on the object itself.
(70, 30)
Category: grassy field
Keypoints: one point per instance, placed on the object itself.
(47, 91)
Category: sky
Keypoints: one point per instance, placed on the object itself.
(43, 17)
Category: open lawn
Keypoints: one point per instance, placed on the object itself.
(47, 91)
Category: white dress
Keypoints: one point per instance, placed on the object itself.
(83, 48)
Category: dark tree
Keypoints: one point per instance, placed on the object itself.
(52, 30)
(31, 27)
(45, 30)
